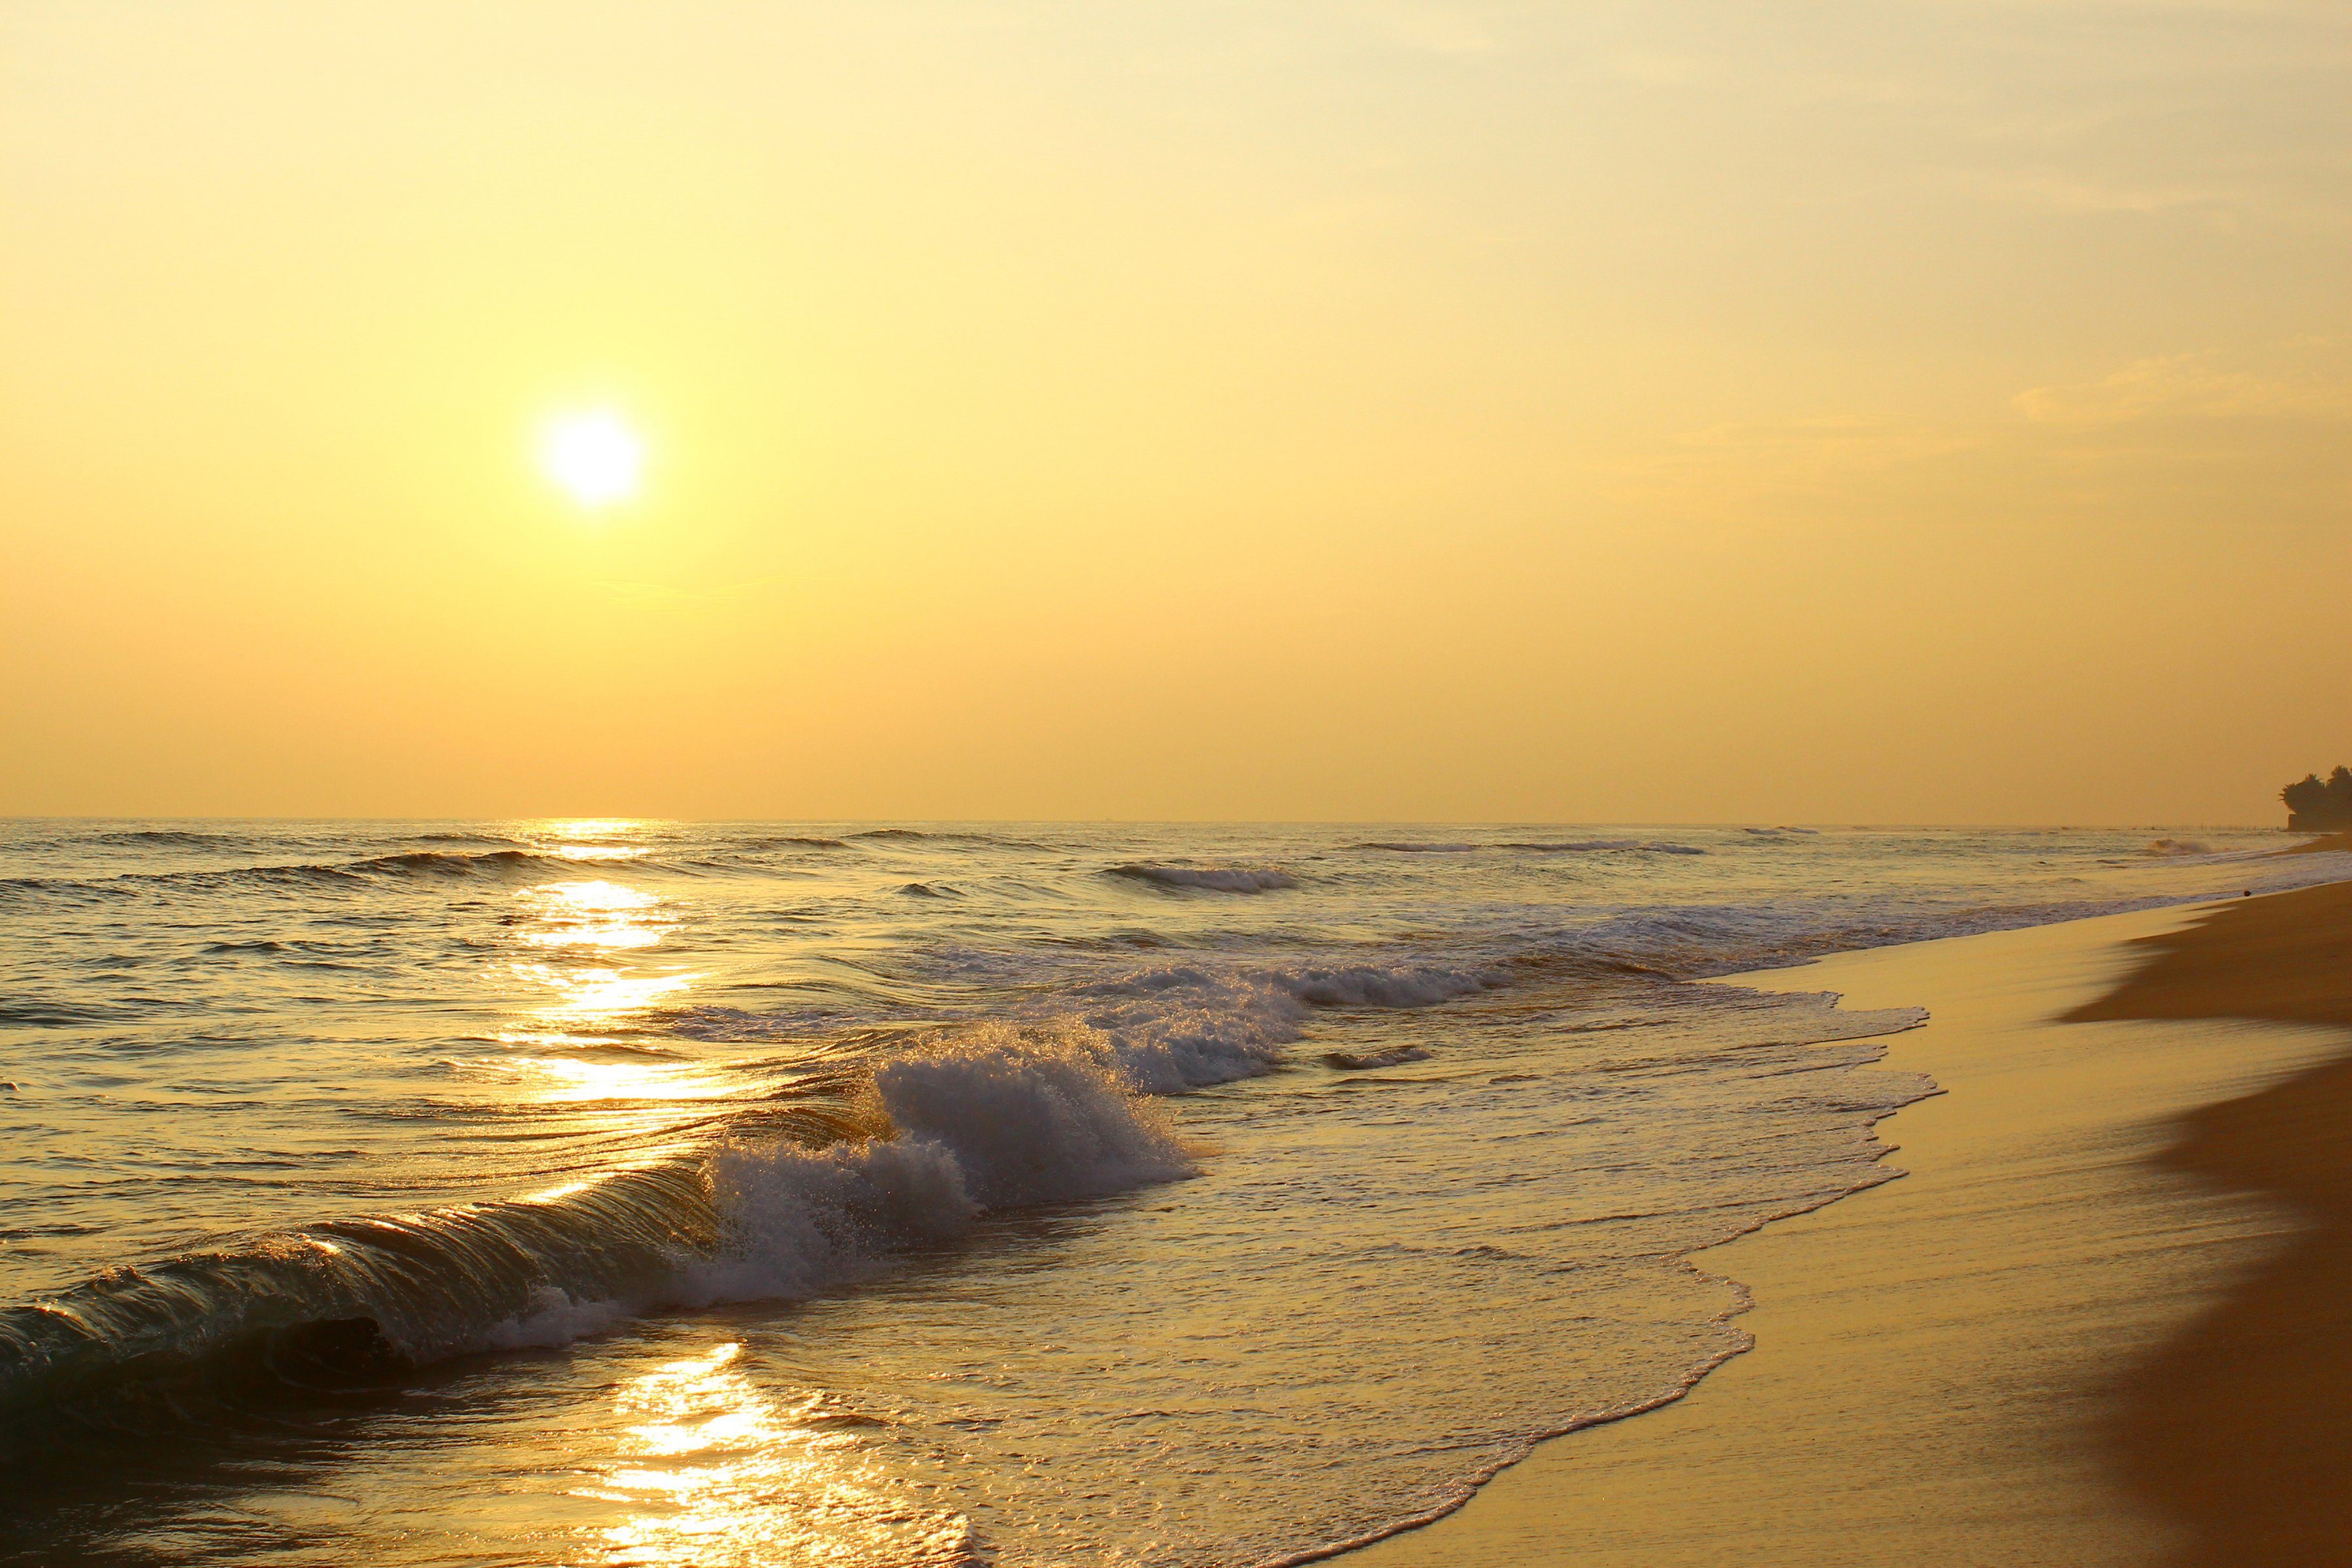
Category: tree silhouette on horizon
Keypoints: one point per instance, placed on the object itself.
(2314, 806)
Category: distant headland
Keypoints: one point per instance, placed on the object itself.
(2313, 807)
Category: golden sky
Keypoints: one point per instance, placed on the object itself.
(1883, 411)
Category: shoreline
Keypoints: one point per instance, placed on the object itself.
(1940, 1361)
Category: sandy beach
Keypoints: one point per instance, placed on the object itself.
(2068, 1335)
(2240, 1426)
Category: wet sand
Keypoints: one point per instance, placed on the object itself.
(2055, 1341)
(2240, 1426)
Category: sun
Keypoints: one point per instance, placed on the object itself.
(596, 457)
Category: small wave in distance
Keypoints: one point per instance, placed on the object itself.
(1208, 878)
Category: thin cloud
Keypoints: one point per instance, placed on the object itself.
(2185, 386)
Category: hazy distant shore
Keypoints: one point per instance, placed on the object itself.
(2099, 1322)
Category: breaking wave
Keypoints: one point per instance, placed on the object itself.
(799, 1198)
(1183, 1026)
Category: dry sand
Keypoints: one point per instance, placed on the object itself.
(2050, 1344)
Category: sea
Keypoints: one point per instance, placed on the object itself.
(793, 1193)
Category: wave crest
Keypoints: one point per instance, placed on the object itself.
(988, 1118)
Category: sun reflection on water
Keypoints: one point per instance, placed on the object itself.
(564, 1079)
(594, 914)
(589, 994)
(718, 1473)
(603, 915)
(591, 838)
(580, 1042)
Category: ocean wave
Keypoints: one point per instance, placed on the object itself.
(1163, 1030)
(712, 1021)
(1362, 1061)
(2177, 847)
(1530, 847)
(1178, 1026)
(421, 864)
(447, 863)
(1632, 846)
(416, 864)
(941, 836)
(1207, 878)
(991, 1118)
(35, 891)
(42, 1013)
(167, 838)
(412, 1289)
(799, 1197)
(1700, 940)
